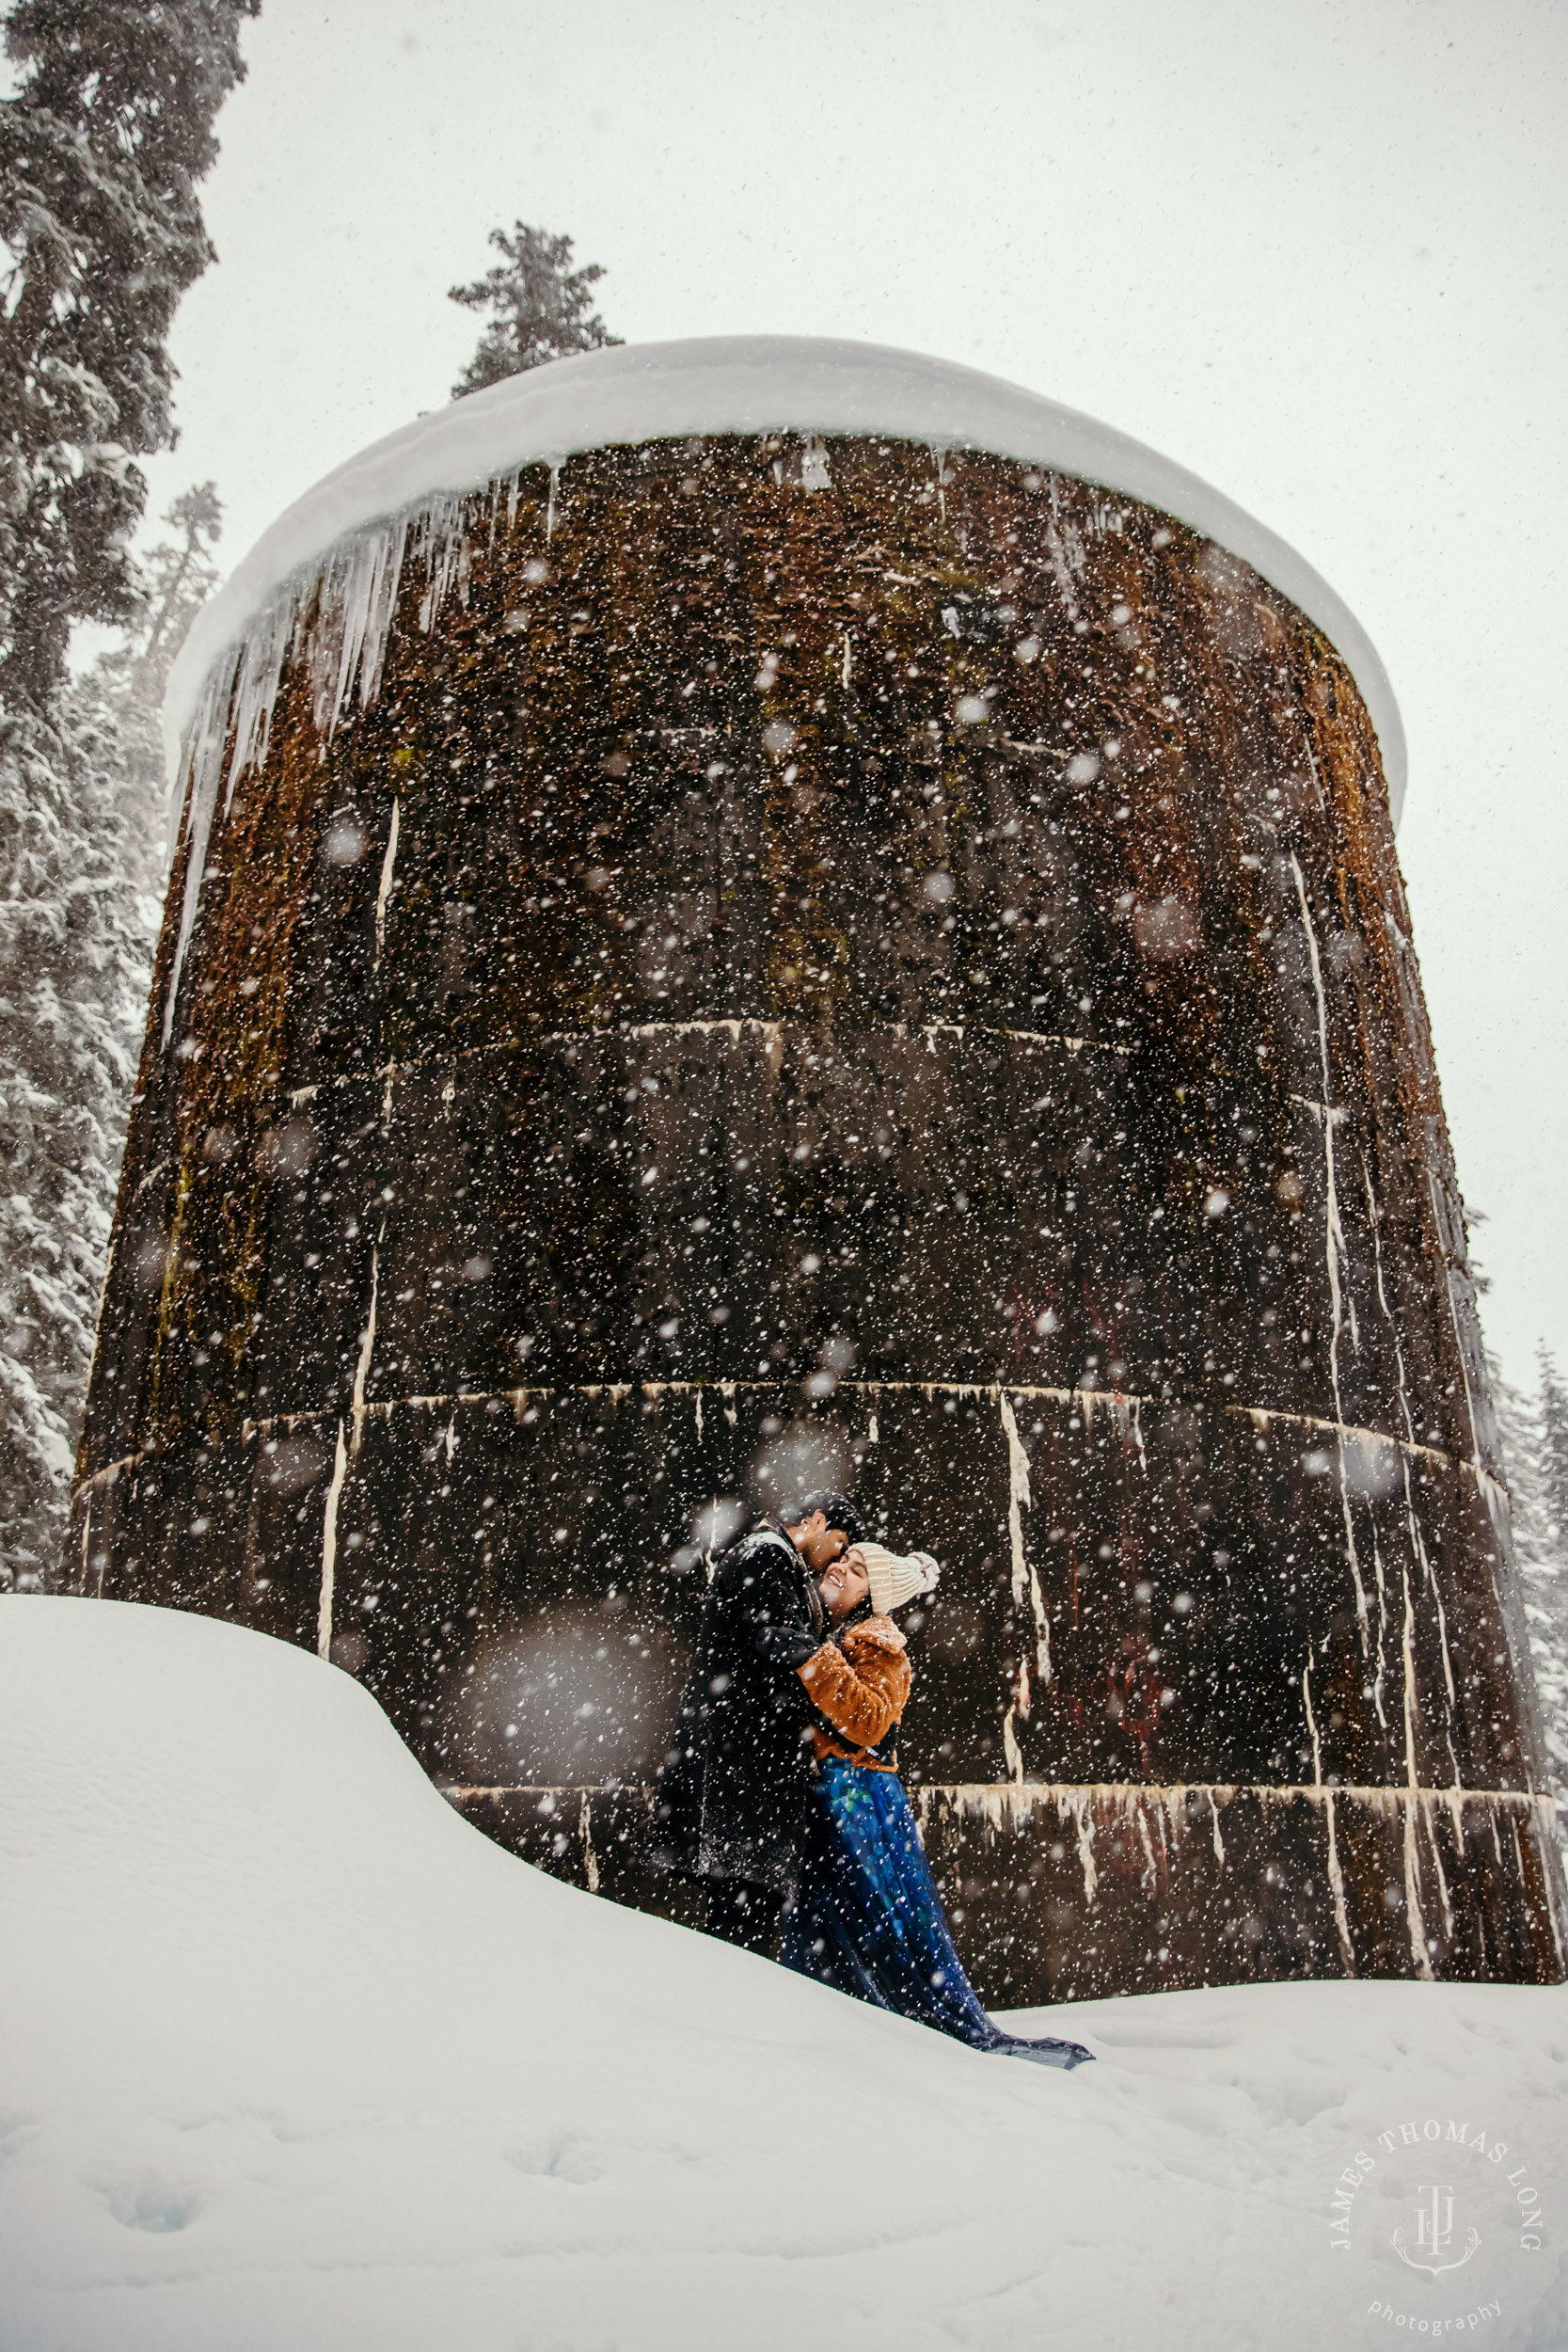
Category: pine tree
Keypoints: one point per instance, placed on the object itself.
(176, 577)
(102, 144)
(104, 793)
(116, 711)
(1554, 1450)
(1518, 1423)
(1534, 1433)
(541, 307)
(113, 713)
(101, 150)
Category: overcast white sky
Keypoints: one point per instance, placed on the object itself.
(1310, 250)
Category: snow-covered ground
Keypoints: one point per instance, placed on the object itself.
(294, 2059)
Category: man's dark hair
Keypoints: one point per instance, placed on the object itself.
(838, 1510)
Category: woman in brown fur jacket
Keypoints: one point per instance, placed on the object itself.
(868, 1918)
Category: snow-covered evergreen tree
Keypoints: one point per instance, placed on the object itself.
(1519, 1438)
(539, 304)
(1533, 1431)
(115, 710)
(1553, 1468)
(1549, 1626)
(102, 144)
(76, 996)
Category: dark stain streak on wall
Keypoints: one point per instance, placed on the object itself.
(803, 959)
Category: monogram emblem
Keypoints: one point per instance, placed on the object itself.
(1435, 2235)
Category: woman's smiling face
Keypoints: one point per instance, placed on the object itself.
(845, 1585)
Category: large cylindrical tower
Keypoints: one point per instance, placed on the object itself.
(750, 910)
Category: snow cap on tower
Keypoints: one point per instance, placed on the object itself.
(633, 393)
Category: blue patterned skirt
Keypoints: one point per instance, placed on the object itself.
(868, 1919)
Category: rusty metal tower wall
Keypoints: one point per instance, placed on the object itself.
(738, 957)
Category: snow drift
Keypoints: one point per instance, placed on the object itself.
(294, 2057)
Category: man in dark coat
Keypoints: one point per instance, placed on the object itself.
(729, 1804)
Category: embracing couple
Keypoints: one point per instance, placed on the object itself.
(781, 1789)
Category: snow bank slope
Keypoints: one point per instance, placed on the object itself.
(297, 2060)
(634, 393)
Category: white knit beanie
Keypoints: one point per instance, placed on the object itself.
(897, 1577)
